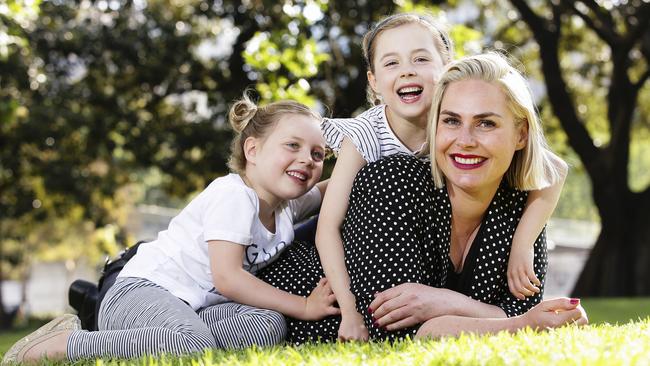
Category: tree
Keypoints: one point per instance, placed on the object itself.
(618, 264)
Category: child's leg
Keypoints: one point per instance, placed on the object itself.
(297, 271)
(138, 317)
(238, 326)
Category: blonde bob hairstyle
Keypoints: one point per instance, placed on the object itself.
(248, 119)
(443, 43)
(532, 167)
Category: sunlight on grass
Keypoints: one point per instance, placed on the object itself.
(603, 344)
(597, 344)
(591, 345)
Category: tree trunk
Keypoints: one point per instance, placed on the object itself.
(5, 319)
(618, 263)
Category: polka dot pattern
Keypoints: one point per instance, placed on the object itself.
(397, 230)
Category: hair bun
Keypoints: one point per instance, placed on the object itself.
(241, 113)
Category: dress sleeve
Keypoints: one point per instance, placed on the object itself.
(228, 214)
(358, 130)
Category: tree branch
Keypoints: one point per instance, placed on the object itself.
(602, 25)
(534, 21)
(642, 79)
(547, 36)
(641, 27)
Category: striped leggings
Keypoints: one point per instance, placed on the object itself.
(138, 317)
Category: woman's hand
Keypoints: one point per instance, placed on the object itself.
(320, 302)
(352, 327)
(409, 304)
(555, 313)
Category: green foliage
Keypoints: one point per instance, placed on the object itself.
(295, 53)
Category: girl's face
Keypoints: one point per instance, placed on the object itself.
(476, 135)
(407, 66)
(289, 161)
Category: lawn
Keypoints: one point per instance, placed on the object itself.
(600, 343)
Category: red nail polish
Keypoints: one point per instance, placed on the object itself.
(575, 301)
(369, 310)
(376, 324)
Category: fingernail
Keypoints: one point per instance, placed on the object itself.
(374, 320)
(376, 324)
(575, 301)
(369, 310)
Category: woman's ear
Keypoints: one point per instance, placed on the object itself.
(251, 145)
(523, 135)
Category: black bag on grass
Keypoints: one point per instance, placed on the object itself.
(86, 297)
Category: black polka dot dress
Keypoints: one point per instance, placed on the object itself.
(397, 230)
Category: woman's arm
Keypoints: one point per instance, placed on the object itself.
(522, 281)
(547, 314)
(330, 244)
(235, 283)
(409, 304)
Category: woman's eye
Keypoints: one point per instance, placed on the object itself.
(390, 63)
(421, 59)
(450, 121)
(293, 145)
(486, 123)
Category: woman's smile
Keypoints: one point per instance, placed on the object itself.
(462, 161)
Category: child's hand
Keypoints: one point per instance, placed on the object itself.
(320, 302)
(353, 328)
(522, 281)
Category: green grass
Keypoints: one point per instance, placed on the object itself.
(600, 343)
(616, 310)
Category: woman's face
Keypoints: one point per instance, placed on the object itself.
(476, 135)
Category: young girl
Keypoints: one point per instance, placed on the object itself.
(186, 291)
(405, 54)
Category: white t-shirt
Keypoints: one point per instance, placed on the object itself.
(227, 210)
(369, 132)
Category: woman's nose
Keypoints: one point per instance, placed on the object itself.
(465, 137)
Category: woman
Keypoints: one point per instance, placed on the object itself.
(407, 236)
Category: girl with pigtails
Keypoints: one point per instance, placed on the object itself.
(194, 287)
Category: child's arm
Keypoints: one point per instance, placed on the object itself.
(330, 244)
(322, 186)
(539, 207)
(232, 281)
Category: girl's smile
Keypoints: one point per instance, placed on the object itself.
(289, 161)
(406, 67)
